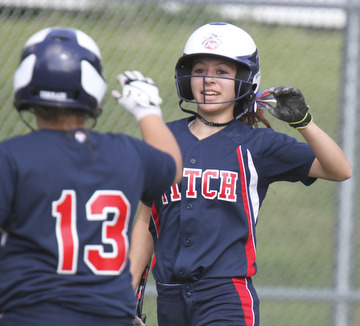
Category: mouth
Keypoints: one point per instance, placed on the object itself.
(210, 94)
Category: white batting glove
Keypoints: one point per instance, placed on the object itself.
(140, 96)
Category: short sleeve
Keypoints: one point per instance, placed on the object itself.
(286, 159)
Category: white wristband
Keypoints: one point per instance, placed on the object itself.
(139, 112)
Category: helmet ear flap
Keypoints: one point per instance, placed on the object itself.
(246, 104)
(183, 80)
(243, 74)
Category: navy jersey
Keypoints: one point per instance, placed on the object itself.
(67, 202)
(205, 226)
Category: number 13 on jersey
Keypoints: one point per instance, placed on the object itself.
(113, 232)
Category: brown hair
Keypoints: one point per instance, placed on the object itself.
(254, 118)
(54, 113)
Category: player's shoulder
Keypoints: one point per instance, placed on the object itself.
(119, 140)
(119, 144)
(127, 145)
(240, 130)
(16, 141)
(180, 125)
(241, 133)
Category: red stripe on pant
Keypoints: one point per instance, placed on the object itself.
(246, 300)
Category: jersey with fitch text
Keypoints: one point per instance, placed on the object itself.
(205, 226)
(67, 204)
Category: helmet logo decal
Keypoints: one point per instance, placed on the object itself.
(211, 41)
(55, 96)
(80, 137)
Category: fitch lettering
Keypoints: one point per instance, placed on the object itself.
(192, 178)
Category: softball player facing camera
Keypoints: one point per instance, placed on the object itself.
(203, 229)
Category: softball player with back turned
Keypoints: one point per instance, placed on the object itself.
(68, 194)
(203, 229)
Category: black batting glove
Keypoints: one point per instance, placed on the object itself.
(139, 321)
(289, 106)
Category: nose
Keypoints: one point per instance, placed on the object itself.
(209, 79)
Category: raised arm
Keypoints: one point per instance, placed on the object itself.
(330, 162)
(140, 97)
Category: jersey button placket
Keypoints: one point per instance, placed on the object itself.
(188, 241)
(187, 291)
(181, 272)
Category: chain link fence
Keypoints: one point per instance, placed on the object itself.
(302, 277)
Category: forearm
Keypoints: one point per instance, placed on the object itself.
(156, 133)
(331, 162)
(142, 246)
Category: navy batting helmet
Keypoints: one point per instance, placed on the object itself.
(60, 67)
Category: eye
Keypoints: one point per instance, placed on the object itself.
(222, 72)
(199, 71)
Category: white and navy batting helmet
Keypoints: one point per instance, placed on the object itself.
(227, 41)
(60, 67)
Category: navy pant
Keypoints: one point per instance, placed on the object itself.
(225, 301)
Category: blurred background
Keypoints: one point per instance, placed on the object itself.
(307, 238)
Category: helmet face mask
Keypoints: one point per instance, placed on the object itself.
(228, 42)
(60, 67)
(185, 93)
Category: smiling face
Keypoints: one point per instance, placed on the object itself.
(212, 91)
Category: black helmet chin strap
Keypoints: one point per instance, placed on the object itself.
(212, 124)
(24, 120)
